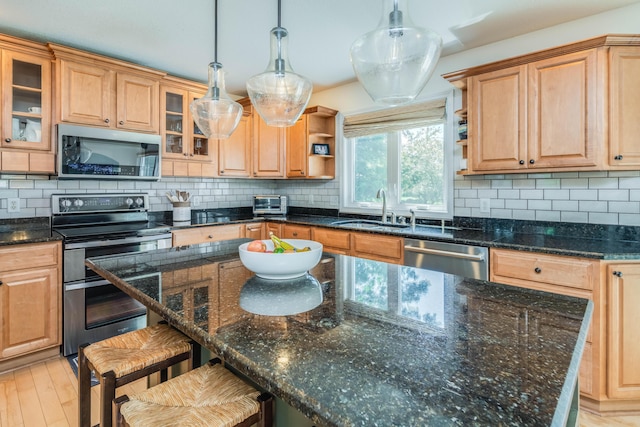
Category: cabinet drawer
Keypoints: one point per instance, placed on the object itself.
(19, 257)
(296, 232)
(377, 247)
(514, 267)
(332, 238)
(193, 236)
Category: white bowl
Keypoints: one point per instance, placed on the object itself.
(284, 265)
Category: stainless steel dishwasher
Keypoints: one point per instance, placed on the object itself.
(453, 258)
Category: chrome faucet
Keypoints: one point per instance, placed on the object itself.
(382, 194)
(413, 218)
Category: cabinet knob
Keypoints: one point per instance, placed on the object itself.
(295, 234)
(222, 171)
(537, 270)
(618, 157)
(191, 154)
(7, 140)
(107, 120)
(210, 236)
(301, 172)
(121, 122)
(186, 155)
(521, 162)
(532, 161)
(617, 273)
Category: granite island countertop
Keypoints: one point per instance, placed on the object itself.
(26, 230)
(386, 345)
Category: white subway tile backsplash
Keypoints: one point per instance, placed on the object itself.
(565, 205)
(556, 194)
(583, 194)
(601, 183)
(509, 194)
(624, 207)
(603, 218)
(547, 216)
(524, 215)
(593, 206)
(582, 217)
(574, 183)
(531, 194)
(548, 183)
(610, 194)
(539, 205)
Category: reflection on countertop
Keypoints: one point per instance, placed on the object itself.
(390, 343)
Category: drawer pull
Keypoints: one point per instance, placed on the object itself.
(295, 234)
(617, 273)
(537, 270)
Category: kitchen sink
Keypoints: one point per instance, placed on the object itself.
(367, 224)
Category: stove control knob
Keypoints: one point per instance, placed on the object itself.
(78, 203)
(129, 201)
(65, 203)
(139, 201)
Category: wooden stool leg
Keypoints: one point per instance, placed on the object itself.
(84, 389)
(118, 419)
(266, 409)
(106, 400)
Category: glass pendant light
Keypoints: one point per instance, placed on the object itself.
(395, 61)
(216, 114)
(279, 94)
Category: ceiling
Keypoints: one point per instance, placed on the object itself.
(177, 36)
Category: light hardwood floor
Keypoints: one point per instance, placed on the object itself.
(45, 395)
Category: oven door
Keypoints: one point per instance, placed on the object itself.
(76, 253)
(97, 310)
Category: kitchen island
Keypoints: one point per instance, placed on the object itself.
(365, 343)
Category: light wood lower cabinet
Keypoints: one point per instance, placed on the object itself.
(334, 241)
(30, 298)
(254, 231)
(292, 231)
(377, 247)
(623, 318)
(196, 235)
(578, 277)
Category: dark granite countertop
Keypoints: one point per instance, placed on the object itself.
(386, 345)
(26, 230)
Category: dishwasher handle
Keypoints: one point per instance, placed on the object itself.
(470, 257)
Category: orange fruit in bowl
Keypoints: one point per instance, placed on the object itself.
(257, 246)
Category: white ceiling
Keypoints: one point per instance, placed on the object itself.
(177, 36)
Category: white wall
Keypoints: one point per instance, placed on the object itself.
(593, 197)
(611, 198)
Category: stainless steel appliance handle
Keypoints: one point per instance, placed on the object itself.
(86, 285)
(116, 242)
(470, 257)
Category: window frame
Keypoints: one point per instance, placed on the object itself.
(347, 184)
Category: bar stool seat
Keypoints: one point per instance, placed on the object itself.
(209, 396)
(125, 358)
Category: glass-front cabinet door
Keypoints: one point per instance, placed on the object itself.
(200, 145)
(26, 112)
(173, 122)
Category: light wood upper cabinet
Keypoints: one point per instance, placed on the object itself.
(26, 141)
(623, 295)
(186, 151)
(570, 108)
(234, 153)
(497, 116)
(624, 104)
(565, 104)
(30, 298)
(537, 116)
(100, 91)
(311, 145)
(268, 149)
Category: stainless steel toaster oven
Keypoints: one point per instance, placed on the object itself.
(270, 205)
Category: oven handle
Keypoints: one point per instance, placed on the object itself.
(86, 285)
(125, 241)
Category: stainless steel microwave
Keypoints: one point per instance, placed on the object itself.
(86, 152)
(270, 205)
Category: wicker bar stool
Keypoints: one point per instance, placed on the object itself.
(210, 396)
(126, 358)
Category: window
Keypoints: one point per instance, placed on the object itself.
(410, 159)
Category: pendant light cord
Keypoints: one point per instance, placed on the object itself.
(279, 13)
(215, 31)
